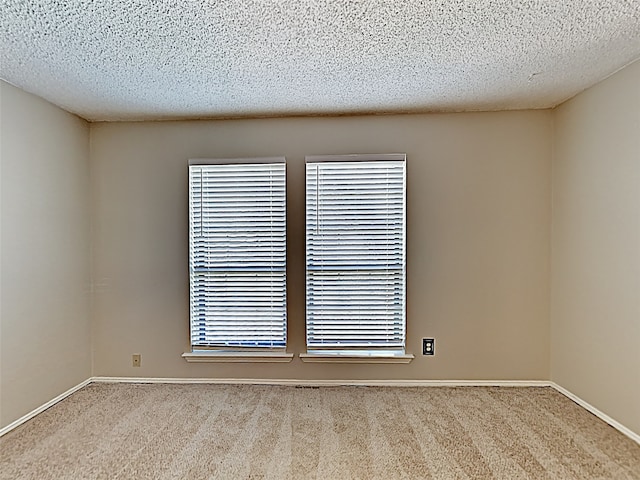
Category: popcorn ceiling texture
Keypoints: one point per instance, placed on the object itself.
(144, 59)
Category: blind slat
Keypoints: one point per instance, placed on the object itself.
(356, 254)
(237, 255)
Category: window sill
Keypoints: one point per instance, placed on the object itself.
(237, 357)
(321, 357)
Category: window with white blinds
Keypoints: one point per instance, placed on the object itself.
(356, 255)
(237, 254)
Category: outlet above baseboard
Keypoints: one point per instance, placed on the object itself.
(428, 346)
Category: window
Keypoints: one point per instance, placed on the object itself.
(356, 255)
(237, 254)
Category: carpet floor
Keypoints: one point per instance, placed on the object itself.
(136, 431)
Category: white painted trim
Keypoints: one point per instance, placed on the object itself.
(598, 413)
(43, 407)
(356, 157)
(329, 383)
(353, 358)
(234, 161)
(209, 356)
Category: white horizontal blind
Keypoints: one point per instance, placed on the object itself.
(237, 255)
(355, 243)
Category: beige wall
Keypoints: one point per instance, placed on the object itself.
(478, 239)
(479, 230)
(44, 255)
(595, 314)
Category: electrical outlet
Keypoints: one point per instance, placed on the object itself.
(428, 346)
(136, 359)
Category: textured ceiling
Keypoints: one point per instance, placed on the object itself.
(137, 59)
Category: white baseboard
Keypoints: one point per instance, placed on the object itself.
(384, 383)
(329, 383)
(332, 383)
(43, 407)
(598, 413)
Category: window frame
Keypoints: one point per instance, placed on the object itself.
(357, 354)
(233, 352)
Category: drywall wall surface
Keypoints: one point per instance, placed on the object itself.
(1, 126)
(478, 193)
(45, 254)
(595, 314)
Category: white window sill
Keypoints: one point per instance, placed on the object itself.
(207, 356)
(346, 357)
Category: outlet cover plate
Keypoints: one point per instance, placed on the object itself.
(428, 346)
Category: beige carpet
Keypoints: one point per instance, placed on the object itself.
(119, 431)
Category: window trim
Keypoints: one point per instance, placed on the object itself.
(374, 354)
(233, 353)
(350, 357)
(234, 356)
